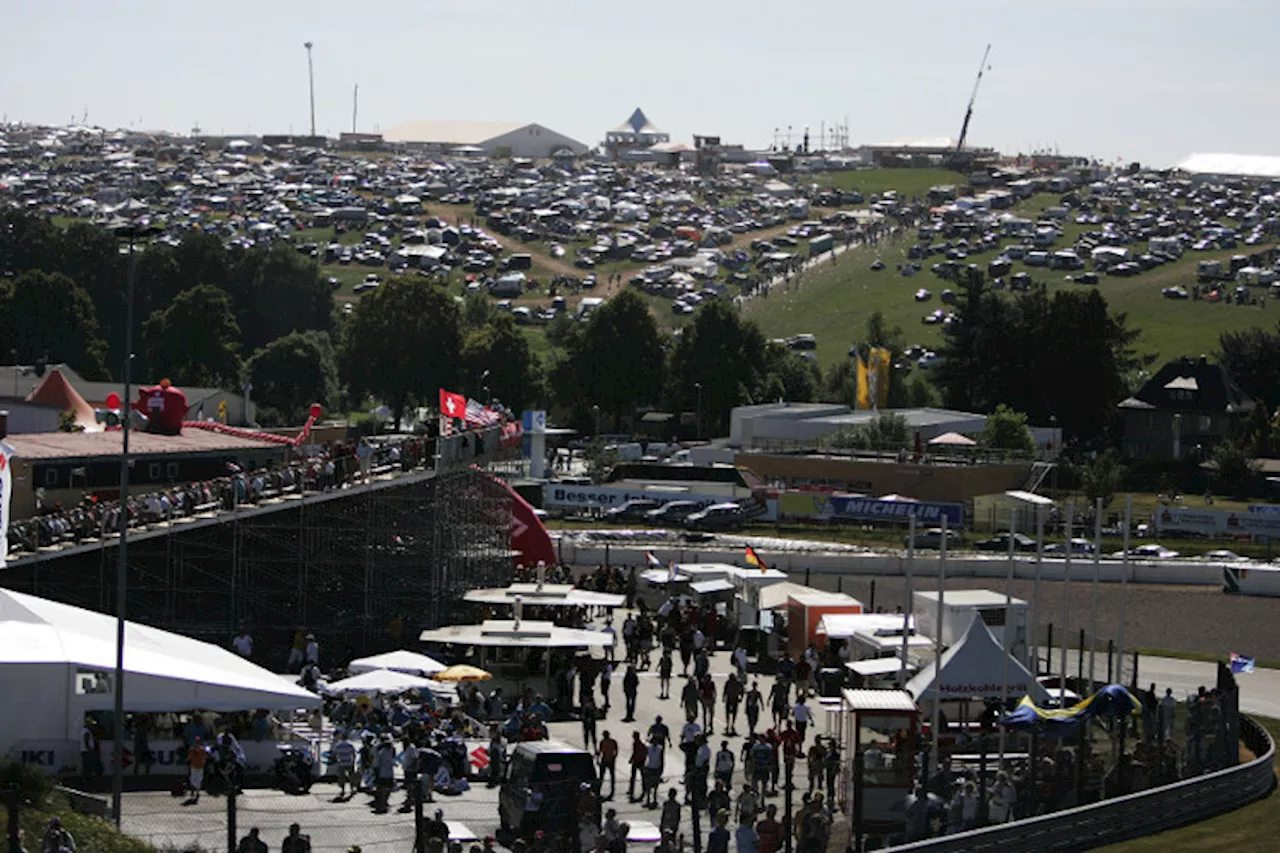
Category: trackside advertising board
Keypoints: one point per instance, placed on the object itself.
(856, 508)
(1218, 522)
(605, 497)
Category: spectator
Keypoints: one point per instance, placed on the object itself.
(295, 841)
(57, 839)
(670, 820)
(252, 843)
(197, 756)
(607, 755)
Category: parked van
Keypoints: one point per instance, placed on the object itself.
(586, 306)
(541, 788)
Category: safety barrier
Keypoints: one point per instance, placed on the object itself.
(1131, 816)
(575, 551)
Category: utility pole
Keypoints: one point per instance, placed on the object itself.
(355, 106)
(311, 83)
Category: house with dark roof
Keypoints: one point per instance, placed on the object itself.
(1189, 406)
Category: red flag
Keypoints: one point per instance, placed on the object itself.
(452, 405)
(528, 534)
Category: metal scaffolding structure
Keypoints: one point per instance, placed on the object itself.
(365, 569)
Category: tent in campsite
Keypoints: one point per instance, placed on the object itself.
(974, 669)
(57, 663)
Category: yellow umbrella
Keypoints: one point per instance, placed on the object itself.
(462, 672)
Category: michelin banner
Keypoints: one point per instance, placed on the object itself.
(1218, 522)
(6, 491)
(927, 513)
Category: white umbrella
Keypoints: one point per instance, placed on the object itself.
(953, 439)
(410, 663)
(379, 681)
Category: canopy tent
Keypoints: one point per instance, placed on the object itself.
(842, 626)
(974, 668)
(878, 666)
(544, 595)
(54, 390)
(57, 662)
(952, 439)
(410, 663)
(379, 681)
(463, 672)
(775, 596)
(508, 632)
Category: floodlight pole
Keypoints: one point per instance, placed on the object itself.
(117, 718)
(311, 83)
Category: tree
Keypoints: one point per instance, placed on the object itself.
(500, 348)
(1065, 357)
(46, 315)
(1252, 358)
(787, 376)
(476, 311)
(723, 354)
(195, 341)
(1234, 472)
(1007, 430)
(1102, 477)
(615, 361)
(885, 431)
(291, 373)
(275, 291)
(401, 344)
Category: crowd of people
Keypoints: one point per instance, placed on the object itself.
(334, 465)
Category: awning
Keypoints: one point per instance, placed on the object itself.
(410, 663)
(379, 681)
(879, 666)
(708, 587)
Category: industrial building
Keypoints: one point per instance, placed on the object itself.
(483, 138)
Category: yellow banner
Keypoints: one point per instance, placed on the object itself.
(863, 399)
(878, 365)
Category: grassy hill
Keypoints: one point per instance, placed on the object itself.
(834, 300)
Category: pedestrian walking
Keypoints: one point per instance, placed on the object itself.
(724, 765)
(630, 692)
(589, 715)
(803, 715)
(665, 665)
(732, 697)
(754, 700)
(607, 756)
(639, 753)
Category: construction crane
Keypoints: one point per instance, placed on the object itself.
(968, 113)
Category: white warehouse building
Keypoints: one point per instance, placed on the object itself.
(487, 138)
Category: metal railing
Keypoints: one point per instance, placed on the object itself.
(1130, 816)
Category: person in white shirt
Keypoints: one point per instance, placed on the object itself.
(613, 640)
(343, 757)
(312, 651)
(689, 733)
(802, 716)
(243, 644)
(740, 661)
(1003, 798)
(1167, 707)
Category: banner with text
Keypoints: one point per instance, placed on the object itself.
(604, 497)
(1218, 522)
(826, 505)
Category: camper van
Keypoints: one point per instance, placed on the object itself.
(587, 306)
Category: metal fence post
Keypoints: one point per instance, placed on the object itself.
(1080, 667)
(231, 820)
(11, 799)
(1111, 651)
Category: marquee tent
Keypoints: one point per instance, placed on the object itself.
(57, 663)
(379, 681)
(410, 663)
(974, 669)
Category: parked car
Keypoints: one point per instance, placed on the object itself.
(1000, 542)
(1149, 551)
(931, 539)
(726, 516)
(633, 510)
(1078, 546)
(672, 512)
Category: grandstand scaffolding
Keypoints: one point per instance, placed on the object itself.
(364, 568)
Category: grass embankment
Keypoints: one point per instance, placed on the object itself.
(834, 300)
(1249, 829)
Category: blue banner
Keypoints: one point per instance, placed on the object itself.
(927, 513)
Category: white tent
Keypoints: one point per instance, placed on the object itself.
(380, 681)
(974, 668)
(411, 663)
(57, 662)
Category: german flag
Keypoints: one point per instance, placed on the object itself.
(753, 559)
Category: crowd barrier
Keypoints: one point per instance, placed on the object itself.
(575, 552)
(1123, 818)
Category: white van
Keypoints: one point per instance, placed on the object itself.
(587, 306)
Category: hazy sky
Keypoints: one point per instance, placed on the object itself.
(1141, 79)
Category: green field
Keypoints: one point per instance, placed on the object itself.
(834, 300)
(907, 182)
(1249, 829)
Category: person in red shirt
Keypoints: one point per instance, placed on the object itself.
(196, 758)
(790, 741)
(770, 831)
(639, 753)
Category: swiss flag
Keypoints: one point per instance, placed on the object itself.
(452, 405)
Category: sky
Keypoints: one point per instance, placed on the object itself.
(1146, 80)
